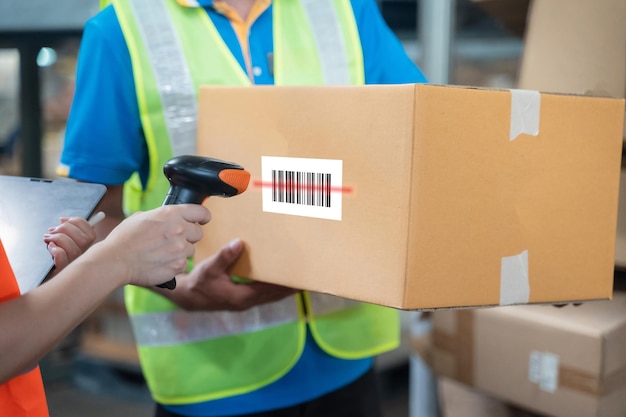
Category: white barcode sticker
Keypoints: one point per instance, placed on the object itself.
(543, 370)
(302, 186)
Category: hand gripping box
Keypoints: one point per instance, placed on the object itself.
(560, 362)
(418, 196)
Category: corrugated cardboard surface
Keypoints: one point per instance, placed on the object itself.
(587, 372)
(437, 192)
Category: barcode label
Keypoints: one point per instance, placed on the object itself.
(543, 370)
(302, 186)
(297, 187)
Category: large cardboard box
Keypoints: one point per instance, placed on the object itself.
(561, 362)
(431, 196)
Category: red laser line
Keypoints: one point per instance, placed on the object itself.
(282, 185)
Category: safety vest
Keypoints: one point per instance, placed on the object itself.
(22, 396)
(199, 356)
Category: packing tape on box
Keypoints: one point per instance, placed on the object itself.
(461, 345)
(525, 108)
(514, 284)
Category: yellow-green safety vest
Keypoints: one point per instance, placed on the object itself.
(199, 356)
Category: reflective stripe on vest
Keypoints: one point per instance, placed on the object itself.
(22, 396)
(164, 328)
(333, 34)
(190, 357)
(338, 61)
(175, 86)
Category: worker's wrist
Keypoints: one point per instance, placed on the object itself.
(103, 263)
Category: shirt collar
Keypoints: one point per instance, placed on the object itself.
(196, 3)
(264, 4)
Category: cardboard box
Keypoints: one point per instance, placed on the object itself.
(562, 362)
(437, 197)
(620, 240)
(460, 400)
(575, 47)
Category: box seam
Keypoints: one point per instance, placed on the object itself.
(412, 178)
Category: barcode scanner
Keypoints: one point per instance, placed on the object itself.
(193, 179)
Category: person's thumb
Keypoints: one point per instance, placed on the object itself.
(230, 252)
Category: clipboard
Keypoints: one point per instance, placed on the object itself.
(28, 208)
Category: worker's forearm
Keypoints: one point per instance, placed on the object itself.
(35, 322)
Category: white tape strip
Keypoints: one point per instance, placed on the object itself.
(525, 106)
(514, 285)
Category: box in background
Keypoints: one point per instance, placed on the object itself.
(510, 13)
(620, 241)
(563, 362)
(459, 400)
(440, 196)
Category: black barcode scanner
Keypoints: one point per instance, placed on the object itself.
(193, 179)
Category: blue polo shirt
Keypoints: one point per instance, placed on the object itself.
(104, 143)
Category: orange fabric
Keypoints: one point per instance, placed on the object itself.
(8, 284)
(22, 396)
(242, 27)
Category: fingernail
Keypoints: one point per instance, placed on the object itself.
(234, 243)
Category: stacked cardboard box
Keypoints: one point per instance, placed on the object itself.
(459, 400)
(562, 362)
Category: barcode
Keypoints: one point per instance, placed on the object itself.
(304, 188)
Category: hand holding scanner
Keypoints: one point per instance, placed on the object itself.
(193, 179)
